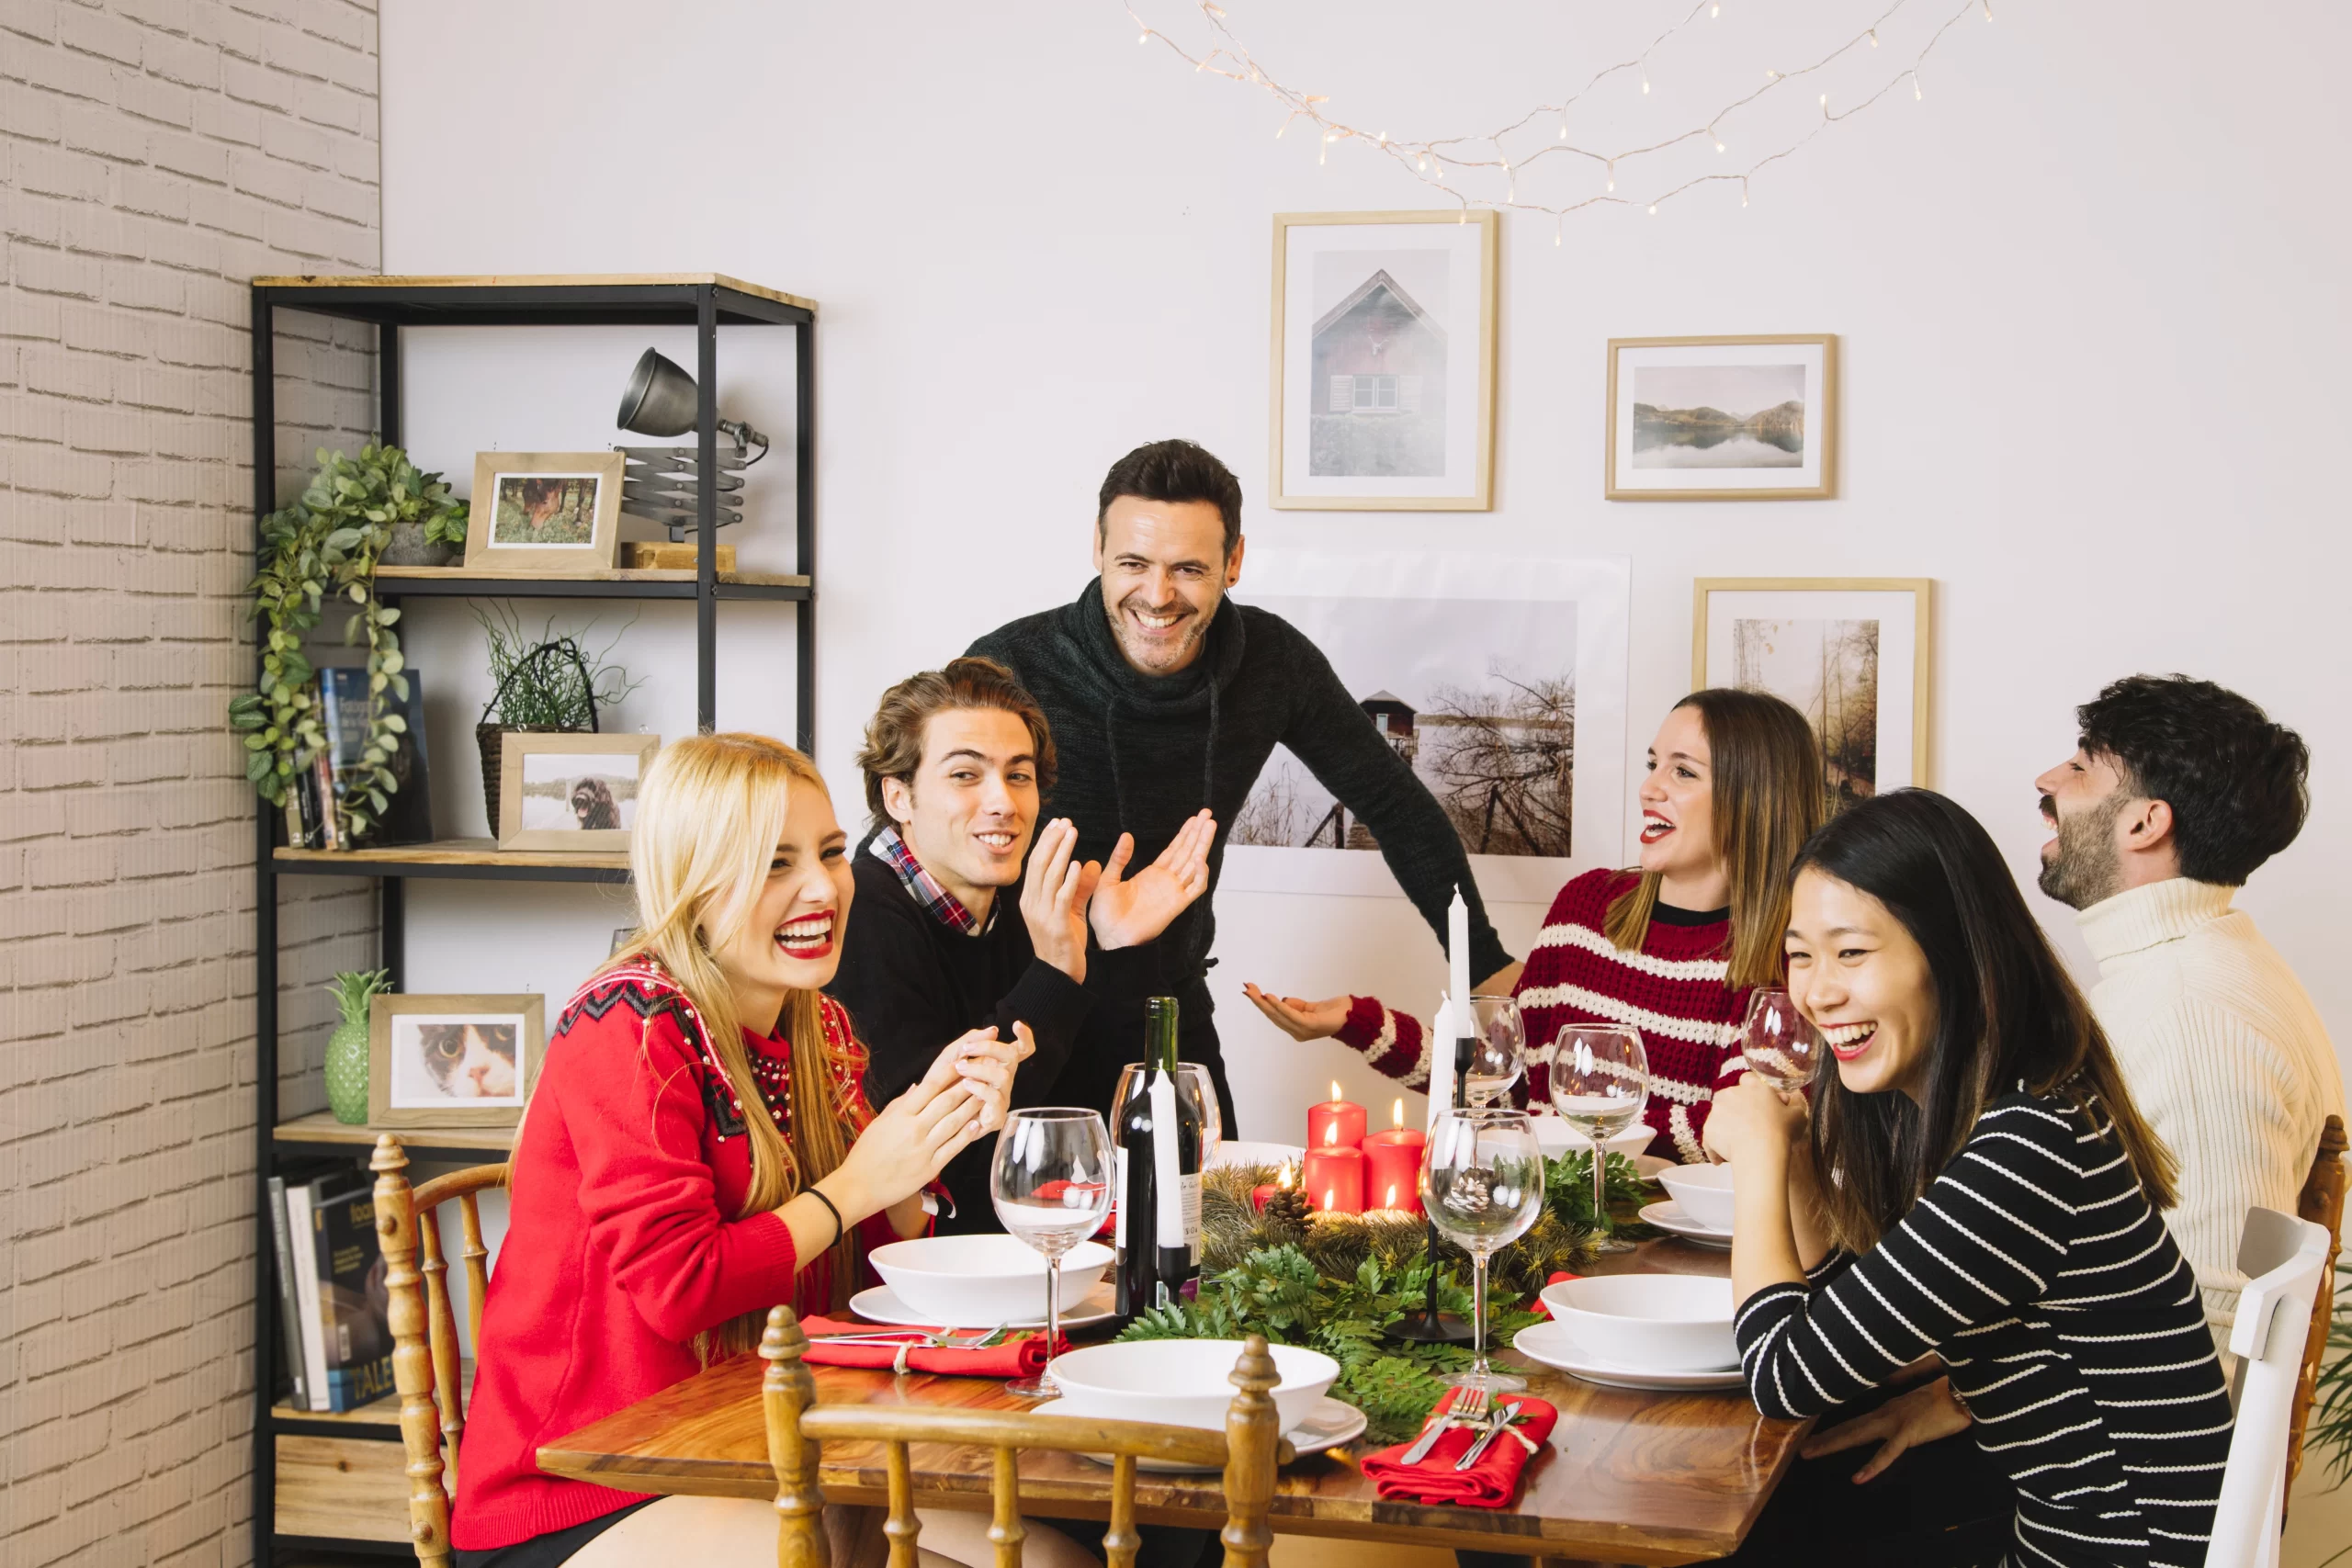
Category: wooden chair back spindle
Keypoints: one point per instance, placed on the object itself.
(2322, 1202)
(1249, 1450)
(427, 1370)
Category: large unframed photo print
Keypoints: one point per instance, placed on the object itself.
(1383, 360)
(1499, 681)
(1723, 419)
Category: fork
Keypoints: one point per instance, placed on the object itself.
(929, 1338)
(1495, 1428)
(1469, 1408)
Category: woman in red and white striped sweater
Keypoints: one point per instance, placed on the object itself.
(1673, 947)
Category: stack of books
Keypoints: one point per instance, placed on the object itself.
(331, 1286)
(312, 823)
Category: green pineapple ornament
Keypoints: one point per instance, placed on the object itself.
(347, 1047)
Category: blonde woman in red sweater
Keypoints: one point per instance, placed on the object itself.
(697, 1149)
(1672, 946)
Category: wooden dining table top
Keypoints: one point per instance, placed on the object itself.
(1626, 1477)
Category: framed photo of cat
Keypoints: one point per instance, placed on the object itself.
(443, 1061)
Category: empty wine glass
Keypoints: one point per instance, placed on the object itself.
(1600, 1081)
(1482, 1183)
(1193, 1083)
(1498, 1060)
(1051, 1181)
(1783, 1048)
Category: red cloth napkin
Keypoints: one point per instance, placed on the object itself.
(1537, 1306)
(1019, 1355)
(1489, 1484)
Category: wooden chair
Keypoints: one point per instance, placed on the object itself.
(426, 1370)
(1250, 1449)
(2320, 1202)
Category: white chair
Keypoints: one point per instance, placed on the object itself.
(2283, 1259)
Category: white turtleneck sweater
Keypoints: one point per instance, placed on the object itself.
(2224, 1054)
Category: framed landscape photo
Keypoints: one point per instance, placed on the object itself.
(1384, 361)
(1850, 653)
(568, 790)
(544, 512)
(448, 1061)
(1723, 418)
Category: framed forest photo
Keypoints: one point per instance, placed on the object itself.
(1723, 418)
(544, 512)
(1850, 653)
(1384, 361)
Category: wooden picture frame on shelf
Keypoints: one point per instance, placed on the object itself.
(453, 1061)
(545, 514)
(1733, 418)
(582, 797)
(1384, 361)
(1851, 653)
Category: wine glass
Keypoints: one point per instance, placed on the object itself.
(1051, 1181)
(1782, 1047)
(1193, 1083)
(1600, 1081)
(1498, 1060)
(1482, 1183)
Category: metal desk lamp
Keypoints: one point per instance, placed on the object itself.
(659, 483)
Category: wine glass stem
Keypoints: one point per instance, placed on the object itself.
(1479, 1311)
(1053, 1315)
(1600, 1187)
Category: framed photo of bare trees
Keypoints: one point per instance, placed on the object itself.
(1850, 653)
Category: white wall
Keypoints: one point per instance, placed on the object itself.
(2089, 294)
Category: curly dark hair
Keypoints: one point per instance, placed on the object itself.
(2234, 779)
(1174, 470)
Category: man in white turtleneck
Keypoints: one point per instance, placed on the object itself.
(2178, 790)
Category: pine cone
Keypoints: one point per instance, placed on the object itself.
(1285, 1211)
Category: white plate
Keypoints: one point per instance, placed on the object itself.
(1549, 1343)
(1668, 1216)
(1328, 1424)
(1234, 1152)
(876, 1304)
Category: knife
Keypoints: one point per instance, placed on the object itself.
(1502, 1418)
(1428, 1440)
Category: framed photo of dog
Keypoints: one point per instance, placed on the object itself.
(569, 791)
(452, 1061)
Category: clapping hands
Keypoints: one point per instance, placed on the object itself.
(1131, 912)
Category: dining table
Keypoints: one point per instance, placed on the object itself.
(1627, 1476)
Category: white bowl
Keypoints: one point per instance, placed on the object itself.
(1703, 1191)
(978, 1281)
(1556, 1137)
(1183, 1382)
(1677, 1323)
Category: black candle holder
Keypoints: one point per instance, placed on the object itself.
(1429, 1326)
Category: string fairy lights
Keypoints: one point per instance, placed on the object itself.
(1453, 164)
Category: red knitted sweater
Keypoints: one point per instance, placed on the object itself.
(622, 1245)
(1675, 991)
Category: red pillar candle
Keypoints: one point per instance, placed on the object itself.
(1392, 1165)
(1334, 1181)
(1335, 1125)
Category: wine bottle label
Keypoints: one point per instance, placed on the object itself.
(1179, 1203)
(1192, 1186)
(1119, 1202)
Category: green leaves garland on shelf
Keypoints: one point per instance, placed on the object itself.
(324, 547)
(1340, 1283)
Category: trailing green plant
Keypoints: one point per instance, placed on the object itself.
(2329, 1435)
(548, 681)
(1280, 1292)
(324, 547)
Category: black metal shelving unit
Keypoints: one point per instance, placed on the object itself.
(705, 301)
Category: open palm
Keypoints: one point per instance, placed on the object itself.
(1128, 911)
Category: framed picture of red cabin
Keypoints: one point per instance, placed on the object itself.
(1384, 361)
(552, 513)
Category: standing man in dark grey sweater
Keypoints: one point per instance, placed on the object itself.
(1165, 698)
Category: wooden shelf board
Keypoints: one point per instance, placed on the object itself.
(602, 574)
(320, 1127)
(458, 853)
(540, 281)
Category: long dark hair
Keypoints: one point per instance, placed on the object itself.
(1765, 792)
(2007, 1015)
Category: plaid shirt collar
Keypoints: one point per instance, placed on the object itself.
(923, 887)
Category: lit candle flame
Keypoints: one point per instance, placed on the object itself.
(1283, 1179)
(1331, 1199)
(1335, 1092)
(1330, 1133)
(1392, 1196)
(1396, 1114)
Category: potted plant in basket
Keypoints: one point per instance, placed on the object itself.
(548, 682)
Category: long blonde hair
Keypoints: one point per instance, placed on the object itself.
(1766, 801)
(710, 812)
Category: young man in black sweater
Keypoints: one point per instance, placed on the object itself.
(1165, 701)
(954, 761)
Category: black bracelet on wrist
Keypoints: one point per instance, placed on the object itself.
(840, 1229)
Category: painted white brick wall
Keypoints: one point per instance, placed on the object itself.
(158, 154)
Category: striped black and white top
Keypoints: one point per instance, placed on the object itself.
(2036, 1268)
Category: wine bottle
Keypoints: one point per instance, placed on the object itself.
(1158, 1227)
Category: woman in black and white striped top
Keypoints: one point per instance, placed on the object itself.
(1976, 1185)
